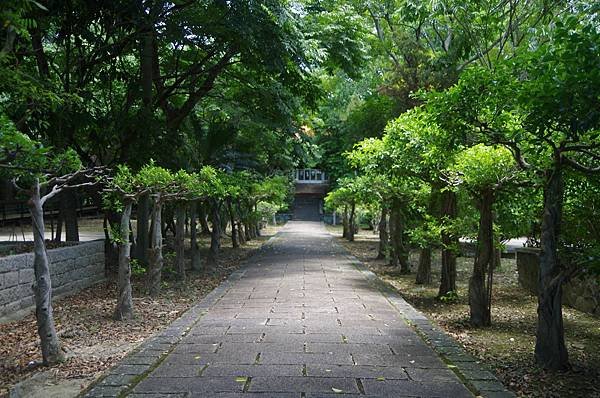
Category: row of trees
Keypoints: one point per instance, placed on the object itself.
(506, 152)
(240, 200)
(217, 83)
(215, 88)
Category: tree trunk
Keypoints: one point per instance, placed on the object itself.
(449, 245)
(240, 231)
(124, 309)
(247, 232)
(234, 235)
(398, 252)
(68, 210)
(111, 249)
(215, 237)
(59, 224)
(202, 217)
(383, 233)
(180, 241)
(478, 291)
(257, 222)
(51, 351)
(550, 350)
(345, 228)
(497, 255)
(155, 256)
(351, 222)
(143, 212)
(424, 269)
(195, 253)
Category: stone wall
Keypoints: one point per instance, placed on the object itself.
(580, 293)
(71, 268)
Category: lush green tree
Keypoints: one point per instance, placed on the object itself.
(484, 171)
(543, 107)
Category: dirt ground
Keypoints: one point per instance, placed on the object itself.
(92, 340)
(507, 346)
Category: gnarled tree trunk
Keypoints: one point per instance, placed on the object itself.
(124, 309)
(424, 268)
(234, 235)
(111, 249)
(550, 349)
(345, 223)
(180, 241)
(383, 233)
(398, 251)
(203, 218)
(195, 253)
(449, 245)
(352, 222)
(155, 256)
(215, 237)
(51, 351)
(247, 232)
(479, 299)
(68, 210)
(143, 212)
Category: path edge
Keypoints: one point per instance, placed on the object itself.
(476, 377)
(119, 380)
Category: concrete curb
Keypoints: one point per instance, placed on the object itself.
(472, 372)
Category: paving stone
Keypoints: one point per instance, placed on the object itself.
(292, 346)
(429, 374)
(129, 369)
(242, 357)
(303, 384)
(157, 395)
(487, 385)
(301, 318)
(348, 348)
(356, 371)
(104, 391)
(252, 370)
(305, 358)
(303, 338)
(398, 360)
(250, 395)
(188, 385)
(388, 388)
(117, 380)
(177, 370)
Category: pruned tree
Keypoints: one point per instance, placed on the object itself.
(41, 174)
(484, 171)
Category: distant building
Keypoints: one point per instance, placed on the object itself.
(311, 187)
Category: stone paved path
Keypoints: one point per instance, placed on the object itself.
(301, 321)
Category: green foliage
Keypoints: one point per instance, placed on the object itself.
(449, 298)
(25, 159)
(483, 167)
(136, 268)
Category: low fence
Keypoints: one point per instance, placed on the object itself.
(72, 268)
(580, 293)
